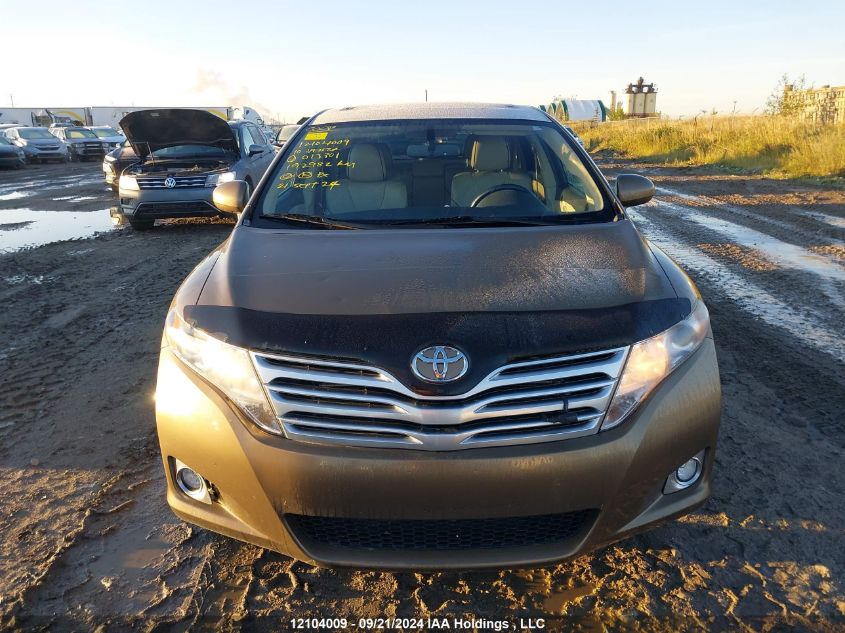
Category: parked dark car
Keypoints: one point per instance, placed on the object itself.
(182, 155)
(116, 161)
(11, 155)
(285, 134)
(37, 143)
(82, 143)
(435, 339)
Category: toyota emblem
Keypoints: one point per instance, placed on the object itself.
(170, 182)
(439, 363)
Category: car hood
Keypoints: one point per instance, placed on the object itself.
(122, 153)
(152, 130)
(380, 296)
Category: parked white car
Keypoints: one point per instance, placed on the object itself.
(108, 135)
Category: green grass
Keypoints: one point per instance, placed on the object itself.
(774, 146)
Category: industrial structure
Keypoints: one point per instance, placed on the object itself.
(642, 99)
(820, 105)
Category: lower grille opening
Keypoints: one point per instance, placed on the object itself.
(153, 208)
(439, 535)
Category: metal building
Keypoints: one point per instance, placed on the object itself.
(642, 99)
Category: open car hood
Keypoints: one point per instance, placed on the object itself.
(152, 130)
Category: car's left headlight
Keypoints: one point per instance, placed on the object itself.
(218, 179)
(652, 360)
(129, 183)
(227, 367)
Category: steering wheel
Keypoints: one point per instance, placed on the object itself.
(503, 196)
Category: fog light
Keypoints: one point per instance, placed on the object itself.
(191, 482)
(685, 475)
(688, 471)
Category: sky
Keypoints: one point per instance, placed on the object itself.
(290, 60)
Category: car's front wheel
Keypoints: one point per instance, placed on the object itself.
(141, 225)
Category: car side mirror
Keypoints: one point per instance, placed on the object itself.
(632, 189)
(255, 149)
(230, 197)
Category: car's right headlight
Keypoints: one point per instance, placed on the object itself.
(129, 183)
(219, 178)
(652, 360)
(227, 367)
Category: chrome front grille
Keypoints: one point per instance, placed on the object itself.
(337, 402)
(182, 182)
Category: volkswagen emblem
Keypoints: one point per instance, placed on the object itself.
(170, 182)
(439, 363)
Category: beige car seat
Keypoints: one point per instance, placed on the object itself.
(368, 185)
(490, 160)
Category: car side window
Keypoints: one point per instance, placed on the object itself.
(247, 139)
(257, 135)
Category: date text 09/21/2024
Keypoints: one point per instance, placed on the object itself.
(459, 624)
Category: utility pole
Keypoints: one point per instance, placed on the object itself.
(12, 99)
(426, 95)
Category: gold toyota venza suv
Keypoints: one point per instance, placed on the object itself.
(434, 339)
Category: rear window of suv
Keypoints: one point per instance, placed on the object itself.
(426, 171)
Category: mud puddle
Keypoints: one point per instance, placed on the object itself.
(26, 228)
(13, 195)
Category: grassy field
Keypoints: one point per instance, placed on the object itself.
(775, 146)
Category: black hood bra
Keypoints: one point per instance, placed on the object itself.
(498, 295)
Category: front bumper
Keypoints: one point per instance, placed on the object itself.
(168, 203)
(37, 154)
(612, 481)
(83, 152)
(12, 160)
(109, 174)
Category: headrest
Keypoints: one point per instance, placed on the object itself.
(373, 162)
(490, 153)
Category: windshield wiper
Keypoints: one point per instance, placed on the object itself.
(474, 221)
(314, 220)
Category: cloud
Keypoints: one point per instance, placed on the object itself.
(213, 85)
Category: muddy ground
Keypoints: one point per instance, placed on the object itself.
(86, 538)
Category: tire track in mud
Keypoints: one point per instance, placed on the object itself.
(752, 298)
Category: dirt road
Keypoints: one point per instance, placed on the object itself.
(86, 537)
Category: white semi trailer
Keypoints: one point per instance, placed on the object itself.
(108, 115)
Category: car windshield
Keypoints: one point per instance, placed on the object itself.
(79, 133)
(104, 132)
(184, 151)
(35, 133)
(455, 172)
(3, 141)
(286, 132)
